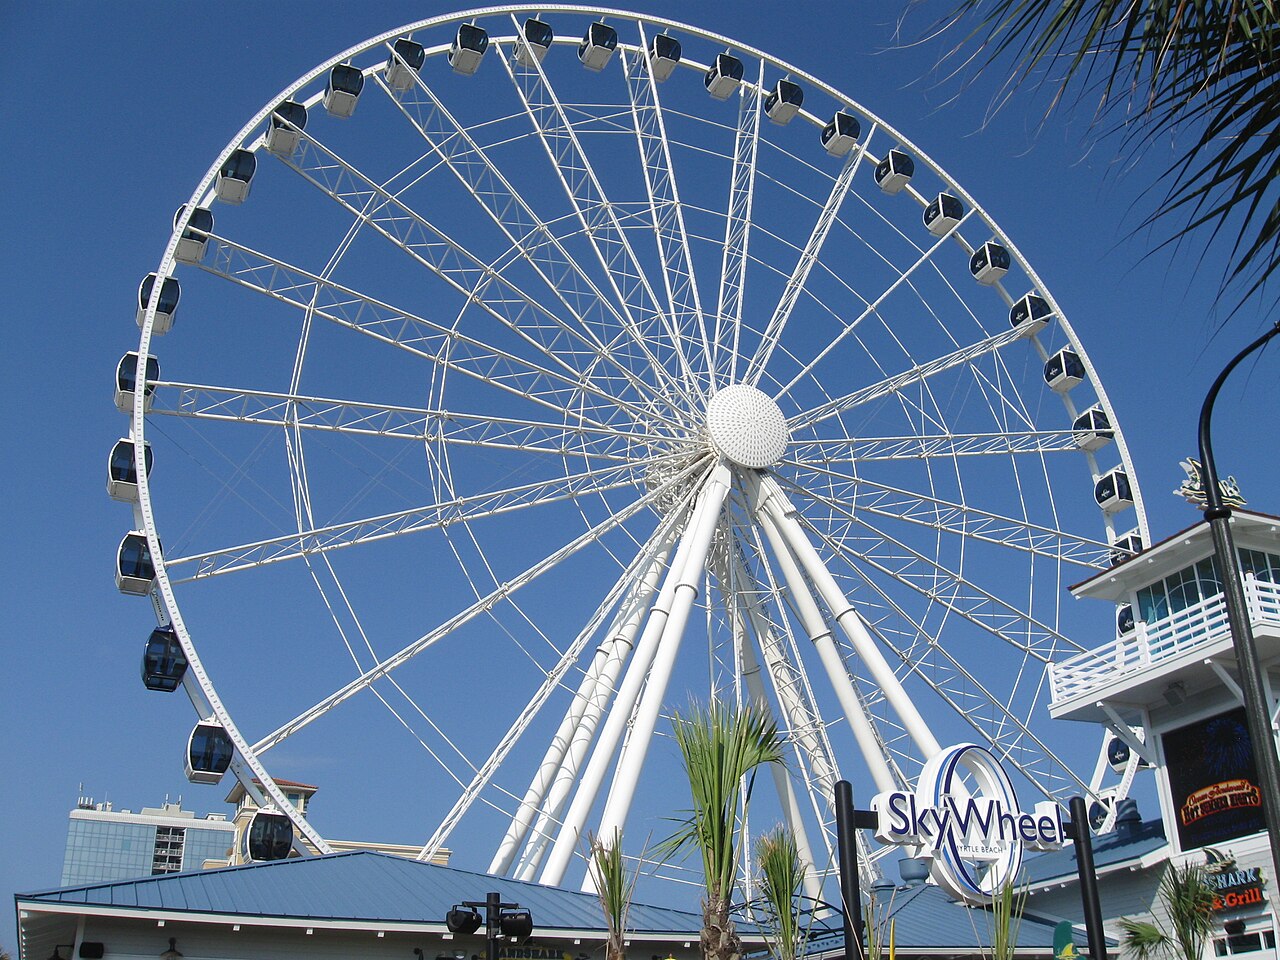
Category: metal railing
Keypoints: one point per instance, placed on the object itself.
(1150, 644)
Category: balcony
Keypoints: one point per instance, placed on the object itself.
(1136, 669)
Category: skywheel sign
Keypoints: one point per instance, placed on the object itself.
(964, 818)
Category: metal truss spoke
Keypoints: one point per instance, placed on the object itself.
(962, 520)
(432, 341)
(481, 606)
(572, 347)
(534, 239)
(808, 257)
(597, 215)
(943, 445)
(848, 327)
(460, 510)
(737, 229)
(683, 299)
(900, 381)
(453, 427)
(931, 579)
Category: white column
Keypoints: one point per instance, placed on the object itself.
(616, 722)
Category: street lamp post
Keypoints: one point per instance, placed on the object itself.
(1218, 514)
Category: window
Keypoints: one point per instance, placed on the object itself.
(1178, 591)
(1244, 943)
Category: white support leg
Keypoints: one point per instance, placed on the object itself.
(634, 751)
(773, 504)
(823, 642)
(616, 723)
(600, 676)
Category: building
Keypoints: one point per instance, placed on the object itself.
(105, 844)
(1167, 688)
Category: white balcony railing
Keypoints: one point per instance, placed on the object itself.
(1151, 644)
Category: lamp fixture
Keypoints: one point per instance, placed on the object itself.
(172, 953)
(462, 919)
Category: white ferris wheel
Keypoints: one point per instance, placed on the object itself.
(528, 373)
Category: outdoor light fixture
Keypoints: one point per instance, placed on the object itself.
(516, 924)
(462, 919)
(172, 953)
(1175, 693)
(500, 920)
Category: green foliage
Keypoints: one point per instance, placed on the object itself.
(880, 927)
(721, 748)
(1187, 898)
(615, 886)
(1007, 906)
(1197, 70)
(781, 876)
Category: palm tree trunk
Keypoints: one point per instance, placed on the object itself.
(720, 939)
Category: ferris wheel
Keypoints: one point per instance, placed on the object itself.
(526, 374)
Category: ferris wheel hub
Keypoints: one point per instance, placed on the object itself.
(747, 426)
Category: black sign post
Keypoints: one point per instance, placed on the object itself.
(1079, 830)
(847, 821)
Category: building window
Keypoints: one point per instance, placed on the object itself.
(168, 850)
(1178, 591)
(1244, 943)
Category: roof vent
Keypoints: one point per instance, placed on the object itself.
(913, 870)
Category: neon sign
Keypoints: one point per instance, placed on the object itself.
(964, 818)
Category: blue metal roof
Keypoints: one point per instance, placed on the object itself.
(925, 918)
(1119, 846)
(357, 886)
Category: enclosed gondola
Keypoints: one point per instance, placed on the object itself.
(342, 91)
(403, 63)
(535, 41)
(127, 381)
(840, 135)
(235, 177)
(943, 214)
(195, 237)
(1124, 619)
(467, 49)
(1126, 546)
(894, 172)
(723, 76)
(135, 571)
(783, 102)
(1030, 315)
(989, 263)
(284, 129)
(597, 46)
(664, 56)
(1118, 753)
(1112, 491)
(268, 837)
(163, 662)
(166, 303)
(122, 471)
(1092, 429)
(1064, 370)
(209, 752)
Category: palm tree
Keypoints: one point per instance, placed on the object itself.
(1205, 71)
(721, 747)
(614, 886)
(781, 875)
(1188, 900)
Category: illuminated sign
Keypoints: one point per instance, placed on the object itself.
(1233, 887)
(964, 818)
(1213, 780)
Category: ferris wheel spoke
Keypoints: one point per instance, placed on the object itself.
(597, 215)
(430, 246)
(922, 446)
(534, 239)
(666, 208)
(435, 516)
(904, 278)
(481, 606)
(552, 682)
(958, 519)
(930, 578)
(808, 257)
(434, 342)
(452, 427)
(737, 230)
(900, 381)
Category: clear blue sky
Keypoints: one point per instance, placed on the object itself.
(114, 111)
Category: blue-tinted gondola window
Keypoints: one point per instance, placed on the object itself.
(210, 749)
(122, 463)
(135, 559)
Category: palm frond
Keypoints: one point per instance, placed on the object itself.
(781, 875)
